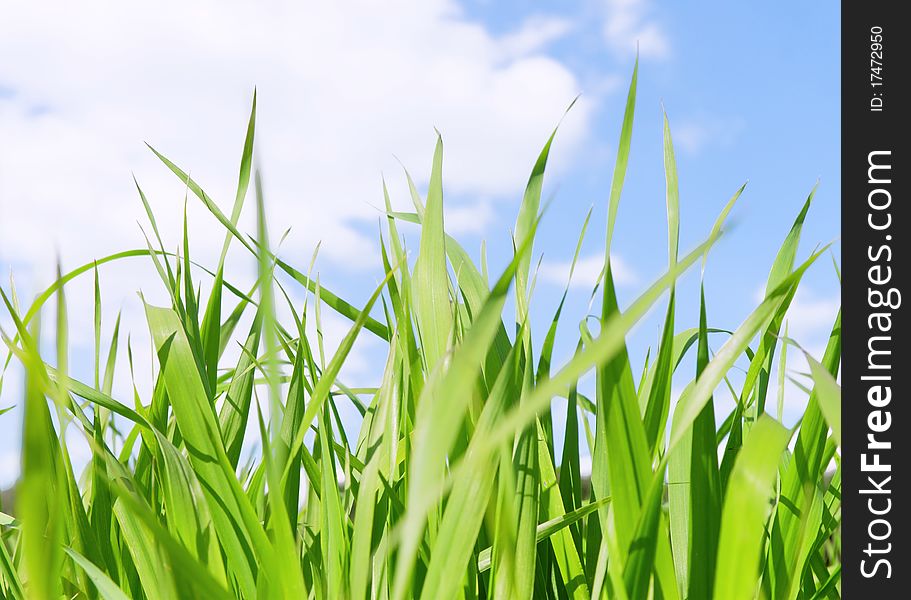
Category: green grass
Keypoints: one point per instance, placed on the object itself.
(453, 487)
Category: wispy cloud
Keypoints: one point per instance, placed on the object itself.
(810, 316)
(587, 270)
(631, 22)
(534, 35)
(470, 218)
(695, 134)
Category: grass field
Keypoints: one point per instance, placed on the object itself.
(457, 485)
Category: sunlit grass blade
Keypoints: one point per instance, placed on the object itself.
(338, 304)
(40, 493)
(746, 509)
(659, 399)
(468, 500)
(107, 589)
(690, 406)
(432, 306)
(443, 402)
(621, 448)
(236, 406)
(199, 427)
(828, 394)
(781, 267)
(803, 474)
(704, 482)
(626, 136)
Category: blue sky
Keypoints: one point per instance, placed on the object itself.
(751, 91)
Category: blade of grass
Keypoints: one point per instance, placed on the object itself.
(432, 306)
(746, 509)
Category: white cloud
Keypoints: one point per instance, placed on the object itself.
(587, 270)
(585, 463)
(810, 317)
(10, 421)
(9, 467)
(468, 218)
(628, 23)
(534, 35)
(340, 91)
(696, 133)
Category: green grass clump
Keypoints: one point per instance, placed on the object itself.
(453, 487)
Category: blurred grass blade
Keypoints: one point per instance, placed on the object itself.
(746, 508)
(39, 499)
(107, 589)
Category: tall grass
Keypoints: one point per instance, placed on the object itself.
(453, 487)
